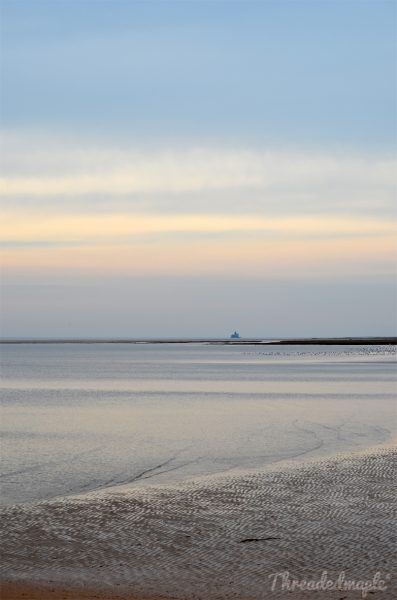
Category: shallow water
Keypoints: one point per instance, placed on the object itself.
(82, 417)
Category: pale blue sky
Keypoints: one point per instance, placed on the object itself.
(298, 72)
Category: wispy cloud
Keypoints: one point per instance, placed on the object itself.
(78, 206)
(52, 168)
(78, 228)
(317, 259)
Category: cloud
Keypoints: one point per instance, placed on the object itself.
(110, 228)
(73, 206)
(51, 168)
(323, 259)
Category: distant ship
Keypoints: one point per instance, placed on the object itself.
(235, 336)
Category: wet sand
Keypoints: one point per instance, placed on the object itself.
(21, 591)
(214, 538)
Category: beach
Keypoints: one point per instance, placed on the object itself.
(220, 537)
(20, 591)
(193, 472)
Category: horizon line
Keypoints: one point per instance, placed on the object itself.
(349, 340)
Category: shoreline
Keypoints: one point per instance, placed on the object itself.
(24, 591)
(353, 341)
(219, 539)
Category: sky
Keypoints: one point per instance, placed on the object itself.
(187, 168)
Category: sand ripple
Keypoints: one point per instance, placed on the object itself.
(216, 538)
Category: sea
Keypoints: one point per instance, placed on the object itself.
(80, 417)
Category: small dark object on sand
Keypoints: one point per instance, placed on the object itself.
(258, 539)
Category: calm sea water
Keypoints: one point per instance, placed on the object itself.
(82, 417)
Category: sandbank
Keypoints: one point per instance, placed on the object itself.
(216, 538)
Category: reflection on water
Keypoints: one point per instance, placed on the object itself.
(76, 417)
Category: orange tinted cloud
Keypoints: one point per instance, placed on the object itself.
(16, 226)
(286, 258)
